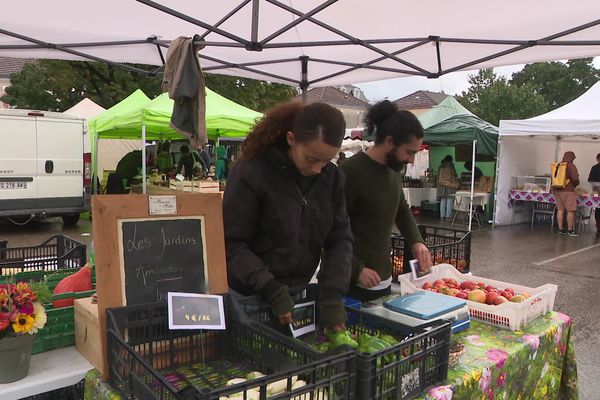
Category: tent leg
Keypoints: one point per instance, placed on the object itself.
(95, 165)
(144, 159)
(472, 187)
(496, 182)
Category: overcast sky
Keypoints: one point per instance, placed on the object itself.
(452, 84)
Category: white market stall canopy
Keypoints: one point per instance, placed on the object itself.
(527, 147)
(309, 42)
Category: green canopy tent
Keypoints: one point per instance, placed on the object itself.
(462, 127)
(150, 120)
(446, 109)
(134, 101)
(224, 119)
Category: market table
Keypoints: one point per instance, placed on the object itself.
(415, 196)
(48, 371)
(535, 363)
(582, 200)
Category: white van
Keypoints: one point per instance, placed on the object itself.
(43, 169)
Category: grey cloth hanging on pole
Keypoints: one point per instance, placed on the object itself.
(184, 81)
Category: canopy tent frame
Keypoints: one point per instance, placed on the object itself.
(254, 44)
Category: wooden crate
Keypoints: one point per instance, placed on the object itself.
(194, 186)
(87, 332)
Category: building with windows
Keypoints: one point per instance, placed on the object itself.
(349, 99)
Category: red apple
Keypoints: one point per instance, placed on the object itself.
(499, 300)
(452, 292)
(462, 295)
(511, 291)
(477, 295)
(481, 285)
(427, 285)
(451, 281)
(491, 297)
(490, 288)
(506, 294)
(439, 282)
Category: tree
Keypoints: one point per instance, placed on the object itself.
(55, 85)
(558, 82)
(492, 98)
(251, 93)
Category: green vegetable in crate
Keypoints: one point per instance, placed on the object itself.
(389, 338)
(340, 339)
(80, 281)
(371, 344)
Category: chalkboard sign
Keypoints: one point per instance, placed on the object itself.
(145, 248)
(161, 256)
(195, 311)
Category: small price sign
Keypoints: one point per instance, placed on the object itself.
(195, 311)
(303, 317)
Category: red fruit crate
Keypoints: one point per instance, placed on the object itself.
(447, 246)
(508, 315)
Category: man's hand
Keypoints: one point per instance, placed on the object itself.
(368, 278)
(423, 256)
(285, 319)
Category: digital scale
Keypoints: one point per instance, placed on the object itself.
(421, 308)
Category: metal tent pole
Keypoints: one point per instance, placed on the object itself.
(144, 159)
(472, 186)
(95, 164)
(304, 78)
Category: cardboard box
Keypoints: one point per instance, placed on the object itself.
(87, 332)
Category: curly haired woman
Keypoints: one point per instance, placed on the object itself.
(284, 210)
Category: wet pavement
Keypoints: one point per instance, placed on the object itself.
(516, 254)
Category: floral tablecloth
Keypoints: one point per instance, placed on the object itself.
(536, 363)
(583, 201)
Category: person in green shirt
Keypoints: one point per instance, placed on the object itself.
(164, 160)
(375, 200)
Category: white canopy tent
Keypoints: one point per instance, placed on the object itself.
(527, 147)
(110, 151)
(307, 43)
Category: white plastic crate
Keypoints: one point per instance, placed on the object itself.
(507, 315)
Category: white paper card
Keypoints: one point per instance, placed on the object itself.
(163, 205)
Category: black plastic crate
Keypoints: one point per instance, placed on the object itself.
(55, 253)
(148, 361)
(408, 368)
(447, 246)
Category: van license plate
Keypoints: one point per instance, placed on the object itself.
(13, 185)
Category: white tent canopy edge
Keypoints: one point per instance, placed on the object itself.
(313, 42)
